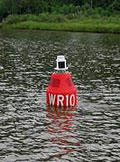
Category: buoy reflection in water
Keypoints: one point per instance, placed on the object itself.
(61, 129)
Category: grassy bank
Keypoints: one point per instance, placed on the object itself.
(59, 22)
(81, 26)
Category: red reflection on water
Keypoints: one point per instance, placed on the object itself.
(61, 118)
(62, 127)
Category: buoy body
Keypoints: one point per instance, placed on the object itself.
(61, 91)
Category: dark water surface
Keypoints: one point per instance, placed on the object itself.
(29, 130)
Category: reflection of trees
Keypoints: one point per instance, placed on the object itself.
(62, 129)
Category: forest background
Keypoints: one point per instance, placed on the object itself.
(76, 15)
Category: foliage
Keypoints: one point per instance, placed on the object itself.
(70, 8)
(44, 17)
(67, 9)
(86, 25)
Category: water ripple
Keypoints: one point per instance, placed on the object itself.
(30, 131)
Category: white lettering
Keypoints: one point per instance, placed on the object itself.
(60, 99)
(52, 99)
(72, 100)
(67, 97)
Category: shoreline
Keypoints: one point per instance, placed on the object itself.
(80, 26)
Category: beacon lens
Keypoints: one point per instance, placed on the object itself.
(61, 65)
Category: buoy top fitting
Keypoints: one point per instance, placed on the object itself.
(61, 64)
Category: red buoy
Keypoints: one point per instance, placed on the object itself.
(61, 90)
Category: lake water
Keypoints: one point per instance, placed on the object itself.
(30, 131)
